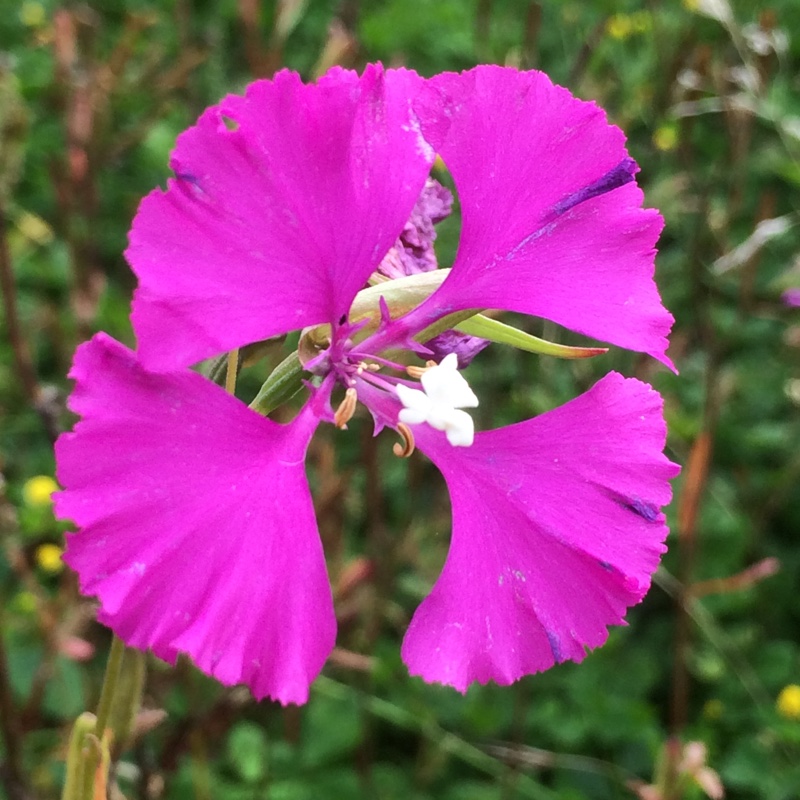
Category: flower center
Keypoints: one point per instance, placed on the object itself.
(440, 402)
(445, 393)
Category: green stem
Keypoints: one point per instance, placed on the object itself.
(93, 757)
(109, 685)
(128, 698)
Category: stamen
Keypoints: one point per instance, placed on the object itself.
(418, 372)
(405, 449)
(368, 367)
(346, 409)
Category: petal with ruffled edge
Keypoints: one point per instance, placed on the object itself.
(284, 201)
(197, 531)
(556, 532)
(552, 217)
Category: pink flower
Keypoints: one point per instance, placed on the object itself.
(791, 297)
(196, 527)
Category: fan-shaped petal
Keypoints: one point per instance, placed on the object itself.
(556, 532)
(284, 201)
(196, 528)
(552, 217)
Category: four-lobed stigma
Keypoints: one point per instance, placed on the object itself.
(445, 393)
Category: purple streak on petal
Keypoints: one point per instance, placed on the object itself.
(197, 531)
(518, 148)
(555, 647)
(617, 176)
(413, 251)
(543, 557)
(285, 215)
(465, 347)
(645, 510)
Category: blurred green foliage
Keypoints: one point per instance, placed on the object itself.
(92, 97)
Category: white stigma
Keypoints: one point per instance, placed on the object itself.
(445, 393)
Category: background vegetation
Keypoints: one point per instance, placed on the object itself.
(91, 100)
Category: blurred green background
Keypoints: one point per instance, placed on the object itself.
(92, 97)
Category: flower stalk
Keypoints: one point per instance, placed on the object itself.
(89, 751)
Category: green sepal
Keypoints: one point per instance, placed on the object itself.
(282, 385)
(496, 331)
(76, 757)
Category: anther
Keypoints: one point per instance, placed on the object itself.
(346, 409)
(418, 372)
(405, 449)
(368, 367)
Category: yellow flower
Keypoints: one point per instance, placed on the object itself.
(32, 15)
(620, 26)
(665, 137)
(788, 702)
(37, 490)
(691, 5)
(48, 557)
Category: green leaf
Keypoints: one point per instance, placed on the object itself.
(248, 752)
(496, 331)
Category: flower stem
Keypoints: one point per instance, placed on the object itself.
(109, 685)
(95, 752)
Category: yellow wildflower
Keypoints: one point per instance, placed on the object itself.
(37, 490)
(788, 702)
(32, 15)
(620, 26)
(665, 137)
(48, 557)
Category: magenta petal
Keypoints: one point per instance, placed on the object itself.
(197, 531)
(552, 217)
(556, 532)
(284, 201)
